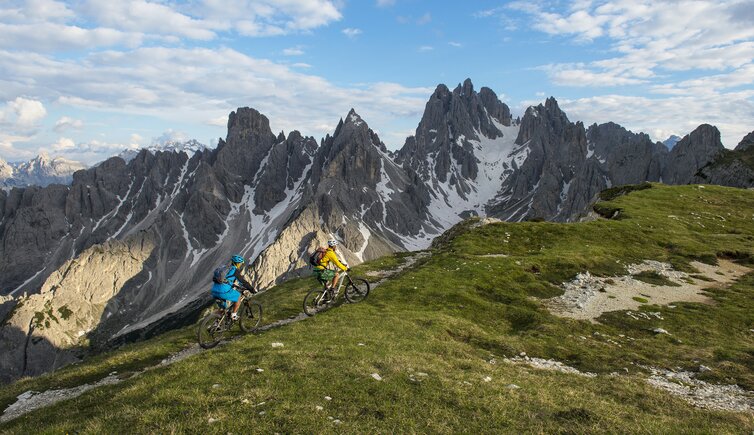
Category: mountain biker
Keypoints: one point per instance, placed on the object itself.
(323, 272)
(226, 291)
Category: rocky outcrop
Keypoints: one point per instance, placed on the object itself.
(626, 157)
(746, 143)
(46, 330)
(693, 152)
(731, 168)
(556, 149)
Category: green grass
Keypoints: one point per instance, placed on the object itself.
(640, 299)
(456, 317)
(654, 278)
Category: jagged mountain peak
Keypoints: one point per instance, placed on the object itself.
(695, 150)
(247, 118)
(353, 116)
(746, 143)
(705, 135)
(467, 88)
(440, 90)
(541, 119)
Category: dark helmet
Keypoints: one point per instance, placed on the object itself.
(237, 259)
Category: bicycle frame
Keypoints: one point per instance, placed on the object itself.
(227, 311)
(334, 293)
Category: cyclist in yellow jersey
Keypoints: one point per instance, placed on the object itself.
(323, 272)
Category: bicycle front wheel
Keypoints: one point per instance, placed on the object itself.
(315, 301)
(211, 331)
(251, 316)
(357, 290)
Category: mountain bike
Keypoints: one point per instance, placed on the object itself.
(320, 299)
(216, 325)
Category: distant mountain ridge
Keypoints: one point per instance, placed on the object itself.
(39, 171)
(671, 141)
(190, 147)
(169, 218)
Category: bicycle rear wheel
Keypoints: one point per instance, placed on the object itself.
(315, 301)
(211, 331)
(251, 316)
(357, 290)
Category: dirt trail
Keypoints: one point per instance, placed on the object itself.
(31, 400)
(588, 297)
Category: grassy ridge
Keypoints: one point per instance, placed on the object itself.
(438, 334)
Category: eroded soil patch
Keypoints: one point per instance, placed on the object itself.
(587, 296)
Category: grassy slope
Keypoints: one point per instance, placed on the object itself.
(448, 318)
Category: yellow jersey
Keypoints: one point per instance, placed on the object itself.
(328, 257)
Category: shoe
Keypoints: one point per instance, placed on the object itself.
(234, 316)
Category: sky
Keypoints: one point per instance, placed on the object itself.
(86, 79)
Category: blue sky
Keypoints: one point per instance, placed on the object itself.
(87, 78)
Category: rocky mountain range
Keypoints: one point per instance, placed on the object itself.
(39, 171)
(128, 247)
(190, 147)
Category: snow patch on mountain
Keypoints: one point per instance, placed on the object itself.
(496, 158)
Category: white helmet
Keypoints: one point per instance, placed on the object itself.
(332, 243)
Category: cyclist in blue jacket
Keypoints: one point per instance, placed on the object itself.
(225, 290)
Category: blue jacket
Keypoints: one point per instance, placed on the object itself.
(232, 276)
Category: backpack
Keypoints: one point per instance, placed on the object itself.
(220, 275)
(316, 258)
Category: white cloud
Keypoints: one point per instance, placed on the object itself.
(424, 19)
(220, 121)
(22, 113)
(65, 123)
(301, 65)
(36, 11)
(269, 17)
(661, 117)
(140, 16)
(351, 32)
(47, 25)
(426, 48)
(580, 75)
(170, 136)
(63, 145)
(293, 51)
(455, 44)
(87, 151)
(191, 85)
(650, 38)
(8, 149)
(487, 12)
(136, 140)
(693, 59)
